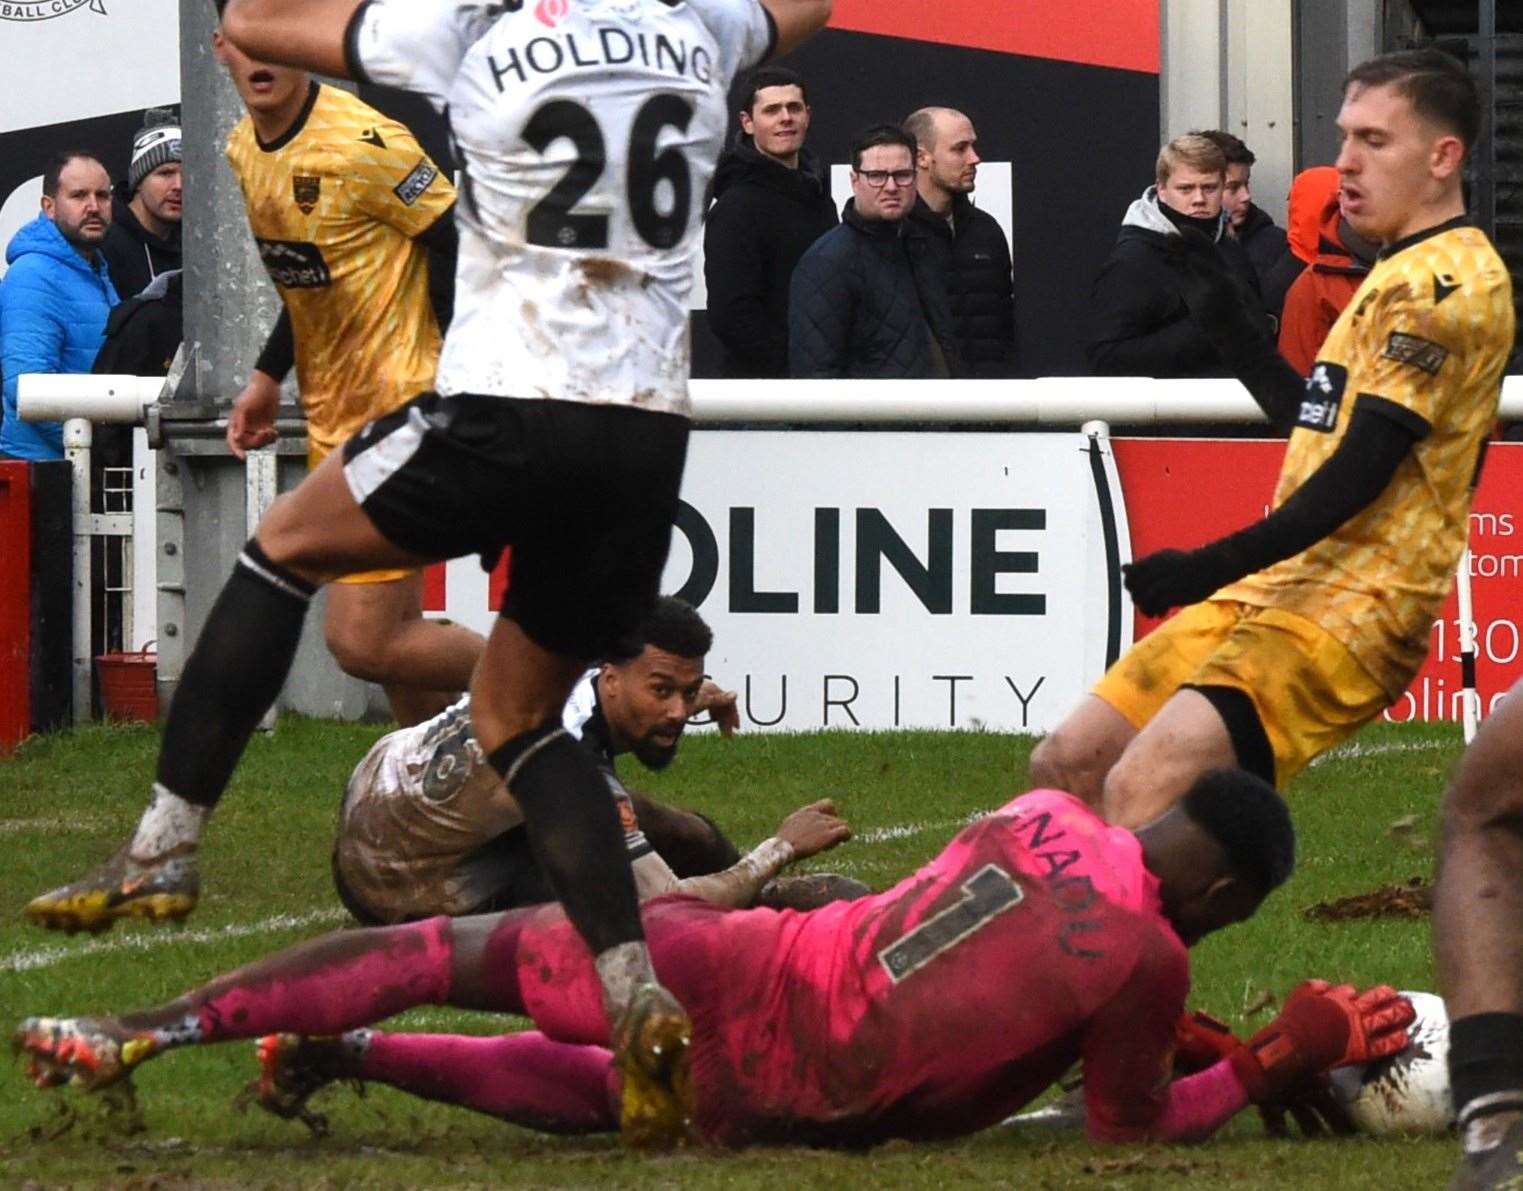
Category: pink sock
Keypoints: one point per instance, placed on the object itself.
(332, 984)
(555, 1087)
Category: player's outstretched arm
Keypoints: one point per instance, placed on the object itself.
(1379, 437)
(796, 20)
(807, 832)
(308, 34)
(1322, 1026)
(1216, 305)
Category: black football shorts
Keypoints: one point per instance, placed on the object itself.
(584, 495)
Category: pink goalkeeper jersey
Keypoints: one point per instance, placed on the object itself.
(942, 1005)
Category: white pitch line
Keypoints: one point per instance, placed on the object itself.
(1349, 752)
(47, 957)
(880, 835)
(17, 826)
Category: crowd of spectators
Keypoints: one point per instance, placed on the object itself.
(911, 279)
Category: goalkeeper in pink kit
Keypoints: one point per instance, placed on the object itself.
(1039, 937)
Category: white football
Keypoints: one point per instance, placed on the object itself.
(1409, 1092)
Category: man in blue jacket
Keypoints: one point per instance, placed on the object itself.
(56, 294)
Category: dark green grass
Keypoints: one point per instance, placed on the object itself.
(67, 801)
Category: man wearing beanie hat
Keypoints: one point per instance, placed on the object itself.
(144, 240)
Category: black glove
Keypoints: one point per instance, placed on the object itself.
(1213, 298)
(1173, 578)
(1314, 1107)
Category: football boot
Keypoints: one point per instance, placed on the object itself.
(162, 890)
(88, 1053)
(651, 1050)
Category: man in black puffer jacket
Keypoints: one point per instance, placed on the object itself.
(869, 299)
(771, 202)
(1139, 323)
(970, 243)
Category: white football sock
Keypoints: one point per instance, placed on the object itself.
(169, 823)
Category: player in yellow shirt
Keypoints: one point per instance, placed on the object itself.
(1302, 627)
(348, 212)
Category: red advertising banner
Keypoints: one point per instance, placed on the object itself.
(1124, 34)
(1185, 492)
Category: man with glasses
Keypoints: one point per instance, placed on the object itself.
(868, 299)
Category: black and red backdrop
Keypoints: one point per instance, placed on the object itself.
(1064, 90)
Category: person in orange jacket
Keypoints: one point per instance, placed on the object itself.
(1337, 259)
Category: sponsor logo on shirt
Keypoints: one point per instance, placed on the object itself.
(294, 264)
(1324, 394)
(411, 188)
(306, 190)
(1416, 351)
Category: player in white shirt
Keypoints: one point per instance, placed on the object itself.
(427, 827)
(586, 132)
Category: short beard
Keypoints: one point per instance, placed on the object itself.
(653, 756)
(74, 237)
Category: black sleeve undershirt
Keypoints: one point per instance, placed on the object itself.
(442, 243)
(1256, 361)
(279, 352)
(1379, 436)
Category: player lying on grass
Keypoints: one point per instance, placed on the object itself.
(428, 827)
(1301, 628)
(1038, 937)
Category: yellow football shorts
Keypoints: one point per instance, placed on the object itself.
(1308, 690)
(315, 455)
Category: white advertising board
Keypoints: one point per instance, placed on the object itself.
(884, 580)
(878, 580)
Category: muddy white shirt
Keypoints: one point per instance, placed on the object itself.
(586, 132)
(423, 804)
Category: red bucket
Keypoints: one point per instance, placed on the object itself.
(129, 685)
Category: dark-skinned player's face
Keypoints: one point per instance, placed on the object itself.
(1224, 901)
(647, 703)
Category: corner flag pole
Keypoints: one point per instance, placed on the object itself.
(1470, 697)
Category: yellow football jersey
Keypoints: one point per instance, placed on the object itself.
(1429, 332)
(335, 205)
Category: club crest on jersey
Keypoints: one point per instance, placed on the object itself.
(1324, 394)
(1421, 353)
(306, 190)
(410, 189)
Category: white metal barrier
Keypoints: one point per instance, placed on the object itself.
(79, 400)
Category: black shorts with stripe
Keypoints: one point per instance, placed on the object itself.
(585, 495)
